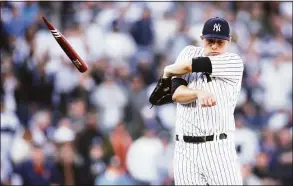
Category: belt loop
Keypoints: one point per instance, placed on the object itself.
(179, 138)
(216, 136)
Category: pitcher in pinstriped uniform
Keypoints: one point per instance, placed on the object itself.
(205, 84)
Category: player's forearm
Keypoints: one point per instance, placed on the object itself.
(184, 95)
(199, 64)
(178, 69)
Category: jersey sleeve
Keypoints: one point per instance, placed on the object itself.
(187, 53)
(227, 66)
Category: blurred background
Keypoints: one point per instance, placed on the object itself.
(59, 126)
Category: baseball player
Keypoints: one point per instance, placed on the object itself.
(205, 84)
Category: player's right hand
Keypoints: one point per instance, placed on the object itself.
(206, 99)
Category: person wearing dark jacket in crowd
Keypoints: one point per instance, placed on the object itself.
(38, 170)
(142, 31)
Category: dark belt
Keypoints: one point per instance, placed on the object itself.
(200, 139)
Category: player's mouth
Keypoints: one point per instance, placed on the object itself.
(214, 53)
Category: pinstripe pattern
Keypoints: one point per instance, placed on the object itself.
(215, 162)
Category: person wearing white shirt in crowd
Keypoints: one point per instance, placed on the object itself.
(246, 142)
(109, 99)
(10, 126)
(113, 42)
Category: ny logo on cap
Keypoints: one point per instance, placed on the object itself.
(217, 27)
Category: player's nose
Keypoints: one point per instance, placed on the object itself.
(214, 46)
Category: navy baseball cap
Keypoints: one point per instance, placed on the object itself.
(216, 28)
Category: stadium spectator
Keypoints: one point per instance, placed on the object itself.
(114, 174)
(38, 170)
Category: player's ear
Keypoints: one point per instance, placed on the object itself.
(230, 39)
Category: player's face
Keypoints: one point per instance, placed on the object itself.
(213, 47)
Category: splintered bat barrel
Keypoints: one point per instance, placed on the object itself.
(67, 48)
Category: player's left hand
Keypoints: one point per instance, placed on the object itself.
(209, 102)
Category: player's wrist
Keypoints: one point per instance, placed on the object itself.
(196, 93)
(165, 76)
(187, 66)
(167, 73)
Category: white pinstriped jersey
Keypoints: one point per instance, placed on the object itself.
(227, 71)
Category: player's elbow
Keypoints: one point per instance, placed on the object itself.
(187, 67)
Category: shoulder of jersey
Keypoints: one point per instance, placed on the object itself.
(232, 55)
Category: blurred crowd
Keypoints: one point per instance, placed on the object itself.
(59, 126)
